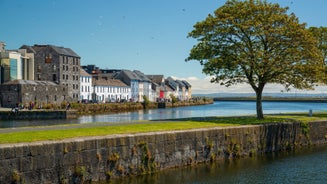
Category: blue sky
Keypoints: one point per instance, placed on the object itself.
(145, 35)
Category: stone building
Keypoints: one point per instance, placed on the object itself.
(57, 64)
(26, 92)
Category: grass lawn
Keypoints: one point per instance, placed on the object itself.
(182, 124)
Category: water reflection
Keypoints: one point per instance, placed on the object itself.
(223, 108)
(304, 166)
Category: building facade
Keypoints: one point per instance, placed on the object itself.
(57, 64)
(15, 64)
(27, 92)
(132, 80)
(111, 90)
(145, 87)
(86, 87)
(158, 87)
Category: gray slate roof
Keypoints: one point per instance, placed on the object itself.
(28, 48)
(109, 82)
(59, 50)
(30, 82)
(131, 75)
(158, 79)
(171, 82)
(83, 73)
(188, 85)
(142, 77)
(64, 51)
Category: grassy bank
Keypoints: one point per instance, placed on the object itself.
(72, 131)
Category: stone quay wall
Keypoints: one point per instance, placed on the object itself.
(89, 159)
(38, 114)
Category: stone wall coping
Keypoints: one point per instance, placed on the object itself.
(90, 138)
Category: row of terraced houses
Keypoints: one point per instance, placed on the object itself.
(42, 74)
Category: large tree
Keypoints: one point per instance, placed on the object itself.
(320, 33)
(256, 42)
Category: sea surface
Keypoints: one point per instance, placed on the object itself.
(220, 108)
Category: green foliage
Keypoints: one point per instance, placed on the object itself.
(147, 160)
(305, 129)
(173, 99)
(146, 102)
(16, 176)
(81, 173)
(236, 150)
(256, 42)
(114, 158)
(320, 33)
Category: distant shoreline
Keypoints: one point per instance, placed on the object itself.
(273, 99)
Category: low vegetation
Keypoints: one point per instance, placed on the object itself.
(71, 131)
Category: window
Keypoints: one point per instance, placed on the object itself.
(39, 77)
(54, 77)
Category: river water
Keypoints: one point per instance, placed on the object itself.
(222, 108)
(304, 166)
(307, 166)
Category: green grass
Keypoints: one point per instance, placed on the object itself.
(75, 131)
(41, 135)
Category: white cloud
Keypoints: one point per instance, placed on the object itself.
(204, 86)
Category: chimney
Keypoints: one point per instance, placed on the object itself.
(2, 46)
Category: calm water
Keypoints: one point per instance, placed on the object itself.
(306, 166)
(224, 108)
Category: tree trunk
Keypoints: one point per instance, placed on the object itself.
(259, 103)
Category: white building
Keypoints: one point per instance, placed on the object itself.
(86, 88)
(111, 90)
(132, 80)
